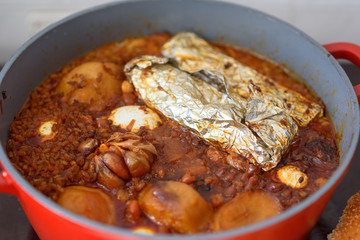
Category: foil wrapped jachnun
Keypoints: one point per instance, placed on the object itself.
(212, 114)
(223, 101)
(195, 55)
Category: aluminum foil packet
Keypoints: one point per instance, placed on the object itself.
(195, 55)
(255, 126)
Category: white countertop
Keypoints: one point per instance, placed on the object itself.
(324, 20)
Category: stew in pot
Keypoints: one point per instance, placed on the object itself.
(89, 139)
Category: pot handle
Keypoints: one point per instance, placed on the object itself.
(348, 51)
(6, 185)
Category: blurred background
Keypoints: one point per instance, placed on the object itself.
(324, 20)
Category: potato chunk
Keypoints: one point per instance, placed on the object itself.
(247, 208)
(176, 205)
(89, 202)
(92, 83)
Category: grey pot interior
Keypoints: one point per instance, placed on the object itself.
(216, 21)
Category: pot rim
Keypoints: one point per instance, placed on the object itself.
(24, 185)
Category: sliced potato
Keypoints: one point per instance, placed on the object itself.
(176, 205)
(93, 83)
(89, 202)
(133, 117)
(247, 208)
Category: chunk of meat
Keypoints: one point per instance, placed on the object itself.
(89, 202)
(92, 83)
(247, 208)
(176, 205)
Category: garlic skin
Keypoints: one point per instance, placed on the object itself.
(134, 117)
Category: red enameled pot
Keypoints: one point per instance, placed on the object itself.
(217, 21)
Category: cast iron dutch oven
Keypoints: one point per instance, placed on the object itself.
(217, 21)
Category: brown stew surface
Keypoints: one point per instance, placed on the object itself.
(51, 164)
